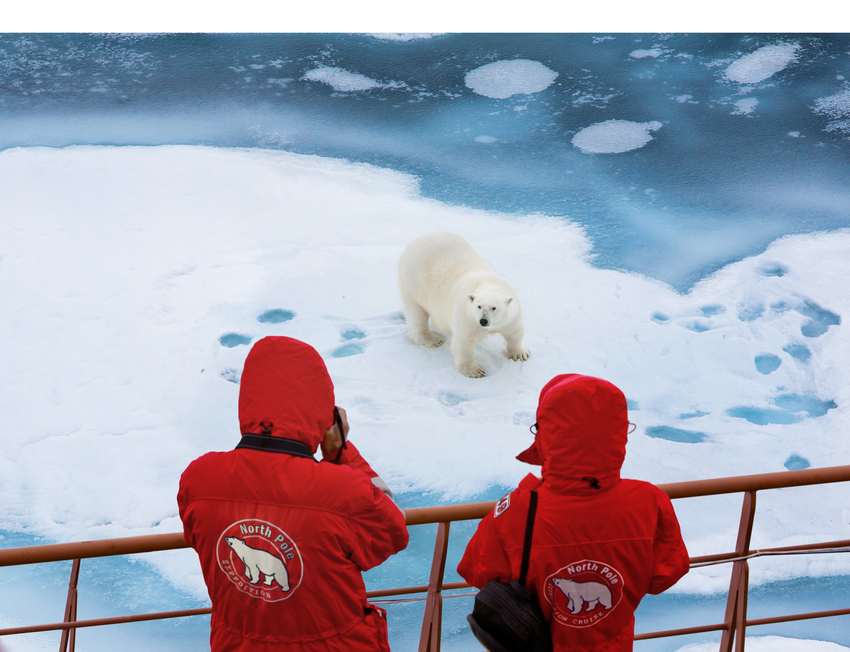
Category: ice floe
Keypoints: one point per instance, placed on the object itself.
(763, 63)
(773, 644)
(615, 136)
(503, 79)
(124, 267)
(342, 80)
(745, 106)
(837, 108)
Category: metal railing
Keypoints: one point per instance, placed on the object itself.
(733, 627)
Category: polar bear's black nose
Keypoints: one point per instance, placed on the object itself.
(483, 322)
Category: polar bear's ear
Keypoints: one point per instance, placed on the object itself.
(508, 302)
(471, 298)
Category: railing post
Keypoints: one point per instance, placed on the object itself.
(70, 635)
(432, 620)
(741, 612)
(736, 600)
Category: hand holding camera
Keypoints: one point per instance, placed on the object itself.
(334, 441)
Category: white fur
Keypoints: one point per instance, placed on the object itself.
(260, 563)
(584, 594)
(441, 277)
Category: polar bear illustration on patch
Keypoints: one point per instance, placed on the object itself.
(581, 594)
(260, 563)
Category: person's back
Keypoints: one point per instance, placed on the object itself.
(282, 538)
(600, 543)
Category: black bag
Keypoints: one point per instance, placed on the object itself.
(506, 617)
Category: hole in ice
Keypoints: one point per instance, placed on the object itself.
(347, 350)
(676, 434)
(697, 326)
(763, 416)
(780, 306)
(790, 408)
(798, 351)
(796, 462)
(660, 318)
(450, 398)
(820, 319)
(750, 312)
(632, 404)
(234, 339)
(773, 269)
(275, 316)
(353, 333)
(712, 309)
(767, 363)
(811, 405)
(231, 375)
(694, 415)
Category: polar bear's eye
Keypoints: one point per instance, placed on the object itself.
(479, 307)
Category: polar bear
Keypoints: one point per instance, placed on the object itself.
(580, 594)
(259, 562)
(441, 277)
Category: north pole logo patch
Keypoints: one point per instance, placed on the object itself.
(260, 559)
(583, 593)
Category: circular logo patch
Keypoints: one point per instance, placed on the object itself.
(260, 559)
(583, 593)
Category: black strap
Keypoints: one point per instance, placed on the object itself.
(529, 534)
(275, 445)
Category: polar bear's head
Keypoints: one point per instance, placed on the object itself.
(492, 306)
(233, 542)
(566, 586)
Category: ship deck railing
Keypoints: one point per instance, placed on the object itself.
(733, 627)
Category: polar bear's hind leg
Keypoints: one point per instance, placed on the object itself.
(282, 578)
(417, 325)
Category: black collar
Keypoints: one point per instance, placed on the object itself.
(275, 445)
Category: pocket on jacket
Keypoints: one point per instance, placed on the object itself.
(376, 618)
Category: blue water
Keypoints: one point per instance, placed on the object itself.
(347, 350)
(676, 434)
(353, 333)
(709, 189)
(798, 351)
(796, 462)
(767, 363)
(275, 316)
(820, 319)
(231, 340)
(790, 408)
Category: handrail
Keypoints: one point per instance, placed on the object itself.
(421, 516)
(733, 627)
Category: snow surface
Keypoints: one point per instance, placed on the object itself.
(745, 106)
(614, 136)
(342, 80)
(773, 644)
(122, 268)
(763, 63)
(502, 79)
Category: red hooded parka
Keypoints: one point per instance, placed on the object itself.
(600, 543)
(283, 539)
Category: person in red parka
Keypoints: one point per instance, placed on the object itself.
(600, 543)
(282, 538)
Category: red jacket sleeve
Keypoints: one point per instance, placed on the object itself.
(671, 560)
(351, 457)
(377, 526)
(485, 559)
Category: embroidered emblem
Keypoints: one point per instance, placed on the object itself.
(260, 559)
(583, 593)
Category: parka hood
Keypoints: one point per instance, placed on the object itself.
(582, 425)
(286, 391)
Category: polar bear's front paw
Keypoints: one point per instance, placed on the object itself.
(519, 355)
(472, 370)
